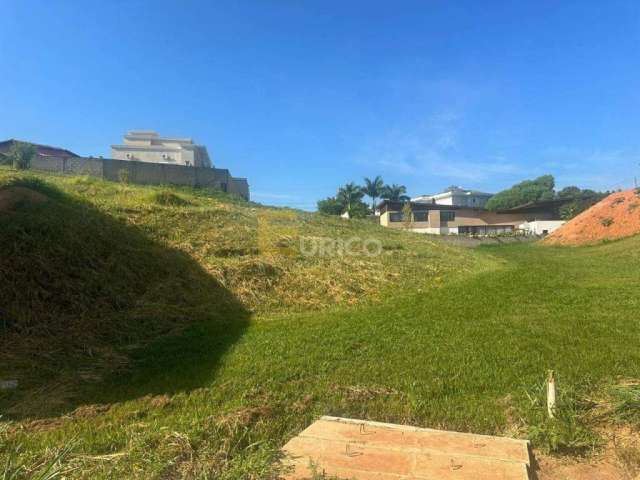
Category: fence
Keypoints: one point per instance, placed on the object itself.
(144, 173)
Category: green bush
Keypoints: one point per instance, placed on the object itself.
(606, 222)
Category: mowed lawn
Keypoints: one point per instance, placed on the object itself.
(470, 354)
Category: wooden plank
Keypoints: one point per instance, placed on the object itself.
(353, 449)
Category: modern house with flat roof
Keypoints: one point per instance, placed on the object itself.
(148, 146)
(457, 196)
(460, 211)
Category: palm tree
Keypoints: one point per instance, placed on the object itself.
(373, 188)
(349, 195)
(394, 193)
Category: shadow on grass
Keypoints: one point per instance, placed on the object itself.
(94, 310)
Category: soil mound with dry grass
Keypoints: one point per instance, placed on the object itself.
(615, 217)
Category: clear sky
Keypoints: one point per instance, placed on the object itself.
(301, 96)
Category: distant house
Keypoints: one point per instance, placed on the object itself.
(42, 150)
(148, 146)
(456, 196)
(460, 211)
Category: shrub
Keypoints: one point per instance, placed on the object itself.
(169, 199)
(606, 222)
(406, 215)
(21, 154)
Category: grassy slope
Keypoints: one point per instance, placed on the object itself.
(98, 269)
(470, 354)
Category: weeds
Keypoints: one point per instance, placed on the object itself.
(169, 199)
(569, 432)
(624, 401)
(606, 222)
(50, 467)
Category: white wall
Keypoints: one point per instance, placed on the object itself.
(539, 227)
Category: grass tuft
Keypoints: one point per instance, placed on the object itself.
(168, 199)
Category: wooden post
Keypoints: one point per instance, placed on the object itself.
(551, 394)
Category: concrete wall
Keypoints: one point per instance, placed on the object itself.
(239, 186)
(542, 227)
(48, 164)
(144, 173)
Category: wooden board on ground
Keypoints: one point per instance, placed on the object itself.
(362, 450)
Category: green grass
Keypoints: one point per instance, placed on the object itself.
(426, 345)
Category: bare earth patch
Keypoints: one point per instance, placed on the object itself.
(617, 216)
(620, 460)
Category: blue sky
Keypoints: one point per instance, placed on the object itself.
(303, 96)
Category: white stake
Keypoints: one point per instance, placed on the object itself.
(551, 394)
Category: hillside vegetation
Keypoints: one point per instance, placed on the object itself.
(221, 363)
(93, 270)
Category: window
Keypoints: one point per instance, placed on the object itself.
(396, 217)
(420, 216)
(447, 216)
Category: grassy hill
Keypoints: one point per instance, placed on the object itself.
(92, 271)
(181, 334)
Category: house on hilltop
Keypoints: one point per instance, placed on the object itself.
(144, 158)
(148, 146)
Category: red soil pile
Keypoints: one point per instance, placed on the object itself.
(617, 216)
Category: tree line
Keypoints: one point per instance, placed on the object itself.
(542, 189)
(349, 197)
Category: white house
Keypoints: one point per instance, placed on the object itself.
(148, 146)
(456, 196)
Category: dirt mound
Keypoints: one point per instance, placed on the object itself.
(617, 216)
(10, 197)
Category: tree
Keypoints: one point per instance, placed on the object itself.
(20, 155)
(537, 190)
(394, 193)
(359, 209)
(350, 195)
(580, 200)
(373, 189)
(569, 192)
(330, 206)
(348, 199)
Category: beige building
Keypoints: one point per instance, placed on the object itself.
(148, 146)
(453, 219)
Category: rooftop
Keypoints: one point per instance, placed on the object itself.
(43, 150)
(453, 190)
